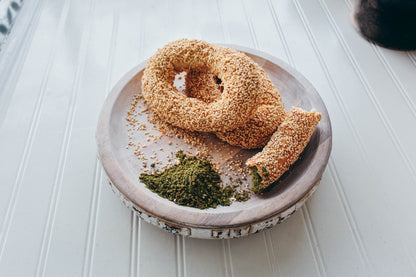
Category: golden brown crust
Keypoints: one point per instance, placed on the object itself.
(244, 109)
(237, 71)
(260, 127)
(285, 146)
(265, 120)
(203, 85)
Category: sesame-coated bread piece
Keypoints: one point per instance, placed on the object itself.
(265, 120)
(239, 73)
(260, 127)
(203, 85)
(284, 148)
(228, 94)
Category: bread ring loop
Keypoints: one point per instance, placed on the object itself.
(239, 75)
(266, 118)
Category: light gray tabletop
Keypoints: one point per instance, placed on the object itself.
(58, 216)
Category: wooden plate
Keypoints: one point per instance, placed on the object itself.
(241, 218)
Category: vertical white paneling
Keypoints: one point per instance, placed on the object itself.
(130, 52)
(380, 187)
(179, 21)
(388, 76)
(27, 215)
(156, 26)
(113, 220)
(247, 252)
(336, 241)
(204, 258)
(263, 33)
(289, 240)
(135, 244)
(111, 253)
(59, 217)
(25, 98)
(130, 38)
(62, 162)
(73, 235)
(158, 252)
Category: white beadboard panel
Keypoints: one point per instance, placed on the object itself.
(244, 252)
(293, 247)
(392, 170)
(24, 98)
(209, 21)
(112, 235)
(157, 28)
(135, 244)
(161, 254)
(266, 33)
(54, 204)
(205, 258)
(234, 21)
(74, 225)
(343, 227)
(335, 229)
(111, 222)
(180, 22)
(44, 144)
(380, 69)
(59, 217)
(130, 38)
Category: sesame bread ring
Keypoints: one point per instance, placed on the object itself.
(240, 79)
(260, 127)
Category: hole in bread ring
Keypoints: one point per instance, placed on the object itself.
(257, 131)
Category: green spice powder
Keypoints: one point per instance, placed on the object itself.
(193, 182)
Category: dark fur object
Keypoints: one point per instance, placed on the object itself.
(389, 23)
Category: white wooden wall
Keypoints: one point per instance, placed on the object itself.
(59, 218)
